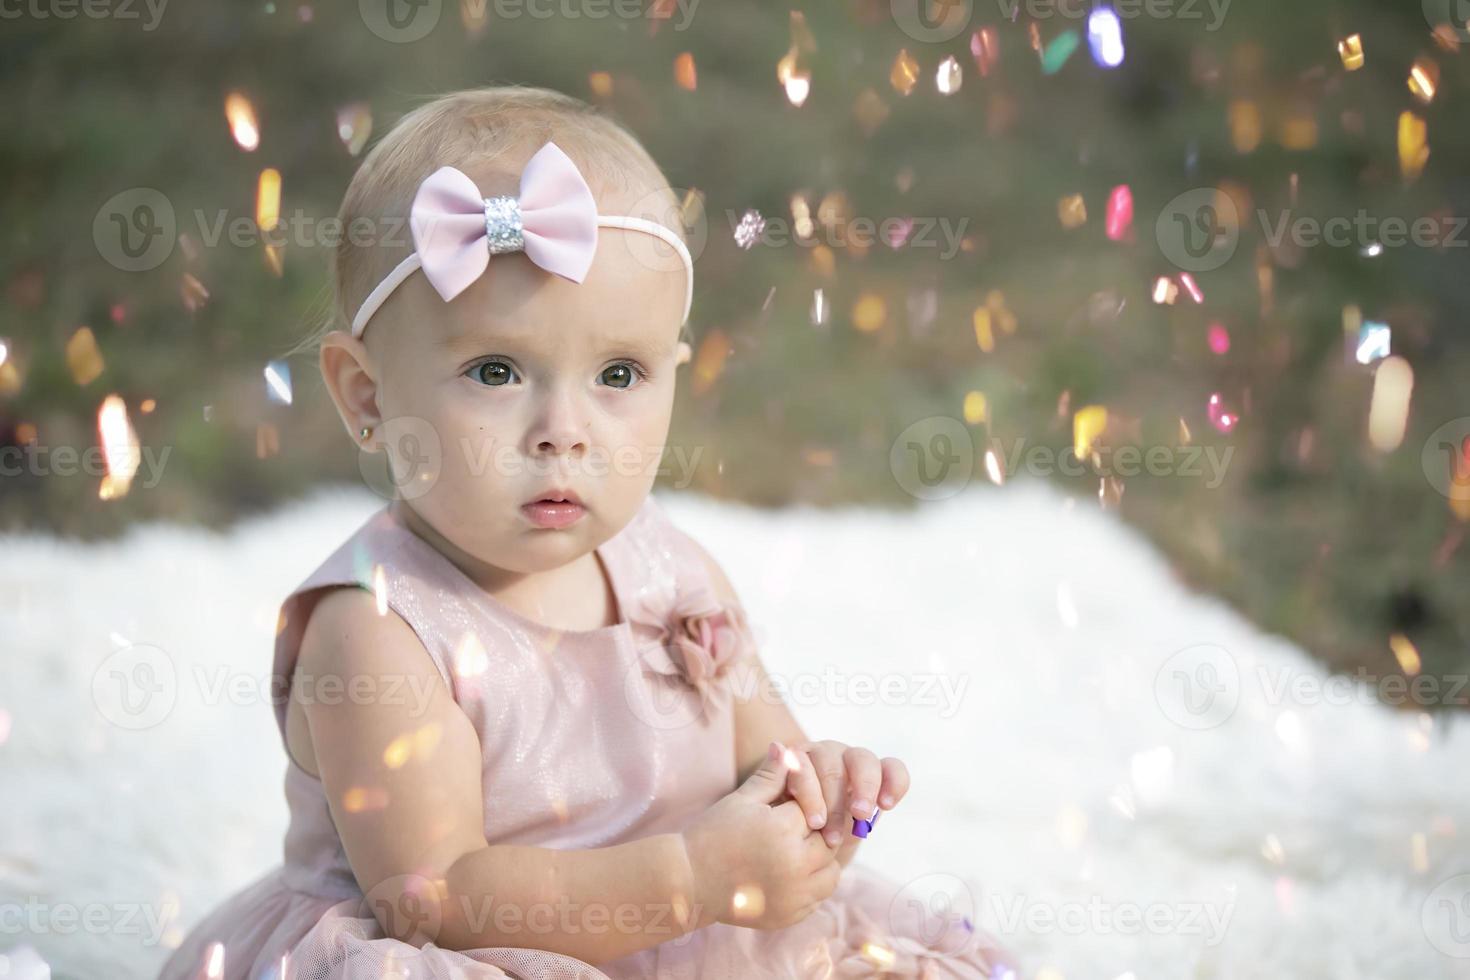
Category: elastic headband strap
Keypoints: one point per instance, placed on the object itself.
(413, 263)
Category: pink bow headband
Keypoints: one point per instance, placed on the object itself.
(554, 221)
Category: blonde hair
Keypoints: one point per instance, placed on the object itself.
(464, 129)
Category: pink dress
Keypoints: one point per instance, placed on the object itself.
(589, 738)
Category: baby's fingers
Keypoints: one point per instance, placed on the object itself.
(864, 776)
(895, 783)
(802, 784)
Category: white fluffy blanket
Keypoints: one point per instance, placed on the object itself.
(1118, 777)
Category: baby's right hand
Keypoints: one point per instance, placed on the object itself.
(755, 864)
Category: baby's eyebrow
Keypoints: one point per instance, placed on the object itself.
(465, 344)
(479, 340)
(475, 342)
(642, 346)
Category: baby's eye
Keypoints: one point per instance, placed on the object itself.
(491, 373)
(621, 375)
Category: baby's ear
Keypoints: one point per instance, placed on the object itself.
(682, 353)
(347, 371)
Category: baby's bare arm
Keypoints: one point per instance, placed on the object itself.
(401, 764)
(765, 716)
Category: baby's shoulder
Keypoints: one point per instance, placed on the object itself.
(351, 654)
(346, 627)
(351, 635)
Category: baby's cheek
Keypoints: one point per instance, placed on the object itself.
(479, 476)
(481, 453)
(623, 453)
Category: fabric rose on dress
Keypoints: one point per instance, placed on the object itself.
(698, 641)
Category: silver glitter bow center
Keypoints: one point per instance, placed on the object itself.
(503, 230)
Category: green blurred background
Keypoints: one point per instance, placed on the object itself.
(811, 359)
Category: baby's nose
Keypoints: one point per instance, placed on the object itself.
(561, 444)
(560, 428)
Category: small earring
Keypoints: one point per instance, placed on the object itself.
(367, 430)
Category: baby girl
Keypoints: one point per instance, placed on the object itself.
(528, 732)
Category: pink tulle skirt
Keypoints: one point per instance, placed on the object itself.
(270, 932)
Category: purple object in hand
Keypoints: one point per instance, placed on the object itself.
(861, 828)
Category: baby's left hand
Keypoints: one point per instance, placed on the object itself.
(828, 773)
